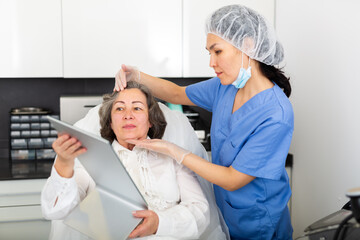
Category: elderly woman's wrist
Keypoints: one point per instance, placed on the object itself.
(64, 168)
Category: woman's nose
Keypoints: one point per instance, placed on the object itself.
(212, 61)
(128, 114)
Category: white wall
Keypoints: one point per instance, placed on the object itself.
(322, 49)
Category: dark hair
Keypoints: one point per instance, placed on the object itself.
(276, 75)
(156, 116)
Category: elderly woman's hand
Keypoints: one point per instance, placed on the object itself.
(125, 74)
(67, 149)
(149, 225)
(162, 146)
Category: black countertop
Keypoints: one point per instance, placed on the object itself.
(26, 169)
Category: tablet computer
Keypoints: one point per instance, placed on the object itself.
(106, 213)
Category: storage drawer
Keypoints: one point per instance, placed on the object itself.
(20, 200)
(29, 230)
(20, 213)
(20, 210)
(21, 192)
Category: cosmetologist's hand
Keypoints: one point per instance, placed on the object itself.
(125, 74)
(67, 149)
(149, 225)
(162, 146)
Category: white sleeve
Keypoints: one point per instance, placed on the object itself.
(191, 216)
(60, 195)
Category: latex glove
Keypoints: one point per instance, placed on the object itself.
(148, 226)
(125, 74)
(162, 146)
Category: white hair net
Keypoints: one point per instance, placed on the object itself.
(248, 31)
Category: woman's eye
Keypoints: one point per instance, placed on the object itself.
(119, 109)
(137, 108)
(217, 52)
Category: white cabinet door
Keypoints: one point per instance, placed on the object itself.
(101, 35)
(196, 58)
(30, 42)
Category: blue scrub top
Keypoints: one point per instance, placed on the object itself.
(254, 140)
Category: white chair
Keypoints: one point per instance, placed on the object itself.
(180, 132)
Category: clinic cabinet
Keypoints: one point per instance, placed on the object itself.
(30, 42)
(91, 39)
(101, 35)
(162, 38)
(20, 210)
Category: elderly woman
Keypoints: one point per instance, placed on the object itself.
(177, 206)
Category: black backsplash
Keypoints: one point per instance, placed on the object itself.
(46, 92)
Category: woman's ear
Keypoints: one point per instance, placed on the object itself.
(248, 44)
(150, 125)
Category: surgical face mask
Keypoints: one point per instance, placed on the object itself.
(243, 76)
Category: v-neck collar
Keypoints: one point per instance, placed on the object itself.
(249, 105)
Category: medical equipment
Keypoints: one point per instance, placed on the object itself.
(343, 224)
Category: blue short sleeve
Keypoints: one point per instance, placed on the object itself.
(204, 94)
(264, 153)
